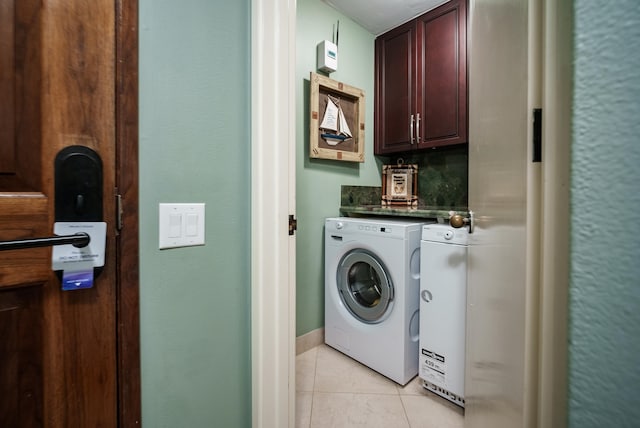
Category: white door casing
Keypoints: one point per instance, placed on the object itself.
(556, 97)
(514, 377)
(272, 200)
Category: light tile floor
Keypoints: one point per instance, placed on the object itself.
(335, 391)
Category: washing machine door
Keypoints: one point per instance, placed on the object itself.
(364, 286)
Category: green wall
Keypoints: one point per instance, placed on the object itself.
(318, 181)
(604, 348)
(194, 147)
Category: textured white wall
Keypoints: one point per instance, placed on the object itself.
(604, 348)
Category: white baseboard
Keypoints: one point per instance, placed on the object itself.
(309, 340)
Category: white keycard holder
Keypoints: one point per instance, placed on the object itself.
(77, 264)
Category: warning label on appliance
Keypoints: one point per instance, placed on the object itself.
(433, 367)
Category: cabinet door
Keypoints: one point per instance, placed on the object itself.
(395, 87)
(441, 94)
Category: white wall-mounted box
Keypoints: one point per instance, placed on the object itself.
(327, 56)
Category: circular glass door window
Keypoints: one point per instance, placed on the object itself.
(364, 285)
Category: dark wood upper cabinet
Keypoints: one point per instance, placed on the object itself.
(421, 82)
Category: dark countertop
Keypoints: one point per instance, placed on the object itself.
(420, 212)
(361, 201)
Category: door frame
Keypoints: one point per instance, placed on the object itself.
(553, 315)
(273, 333)
(273, 155)
(127, 248)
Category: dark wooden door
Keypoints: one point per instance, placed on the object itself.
(395, 87)
(62, 353)
(441, 95)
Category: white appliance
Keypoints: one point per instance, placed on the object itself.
(372, 281)
(443, 300)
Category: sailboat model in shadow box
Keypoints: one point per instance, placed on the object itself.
(337, 120)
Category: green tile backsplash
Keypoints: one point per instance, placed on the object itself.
(442, 177)
(442, 180)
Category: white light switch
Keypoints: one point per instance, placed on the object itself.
(175, 225)
(191, 228)
(181, 225)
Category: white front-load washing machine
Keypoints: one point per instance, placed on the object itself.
(372, 282)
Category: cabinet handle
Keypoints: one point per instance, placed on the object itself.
(418, 128)
(411, 128)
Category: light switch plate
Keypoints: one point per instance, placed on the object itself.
(181, 225)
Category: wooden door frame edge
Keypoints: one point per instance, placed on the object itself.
(127, 252)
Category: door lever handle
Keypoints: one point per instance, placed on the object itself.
(78, 240)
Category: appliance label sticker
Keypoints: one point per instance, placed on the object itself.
(434, 367)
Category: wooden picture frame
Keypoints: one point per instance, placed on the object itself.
(400, 185)
(330, 99)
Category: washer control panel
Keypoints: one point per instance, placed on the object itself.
(374, 228)
(369, 227)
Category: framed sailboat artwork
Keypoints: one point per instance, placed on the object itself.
(337, 120)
